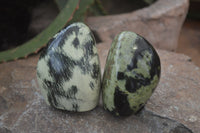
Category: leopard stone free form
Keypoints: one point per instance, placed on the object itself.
(68, 70)
(131, 74)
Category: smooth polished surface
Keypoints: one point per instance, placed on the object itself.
(68, 71)
(131, 74)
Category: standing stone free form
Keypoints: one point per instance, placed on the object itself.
(131, 74)
(68, 70)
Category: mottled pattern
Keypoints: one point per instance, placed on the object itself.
(131, 74)
(68, 70)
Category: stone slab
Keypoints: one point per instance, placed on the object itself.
(175, 101)
(178, 94)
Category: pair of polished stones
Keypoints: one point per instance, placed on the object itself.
(69, 74)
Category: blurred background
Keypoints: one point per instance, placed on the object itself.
(21, 20)
(189, 40)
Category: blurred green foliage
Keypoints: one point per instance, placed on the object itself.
(70, 11)
(149, 1)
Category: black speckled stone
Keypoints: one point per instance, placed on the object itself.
(68, 70)
(131, 74)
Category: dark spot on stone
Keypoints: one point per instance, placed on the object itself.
(120, 76)
(60, 67)
(89, 48)
(133, 84)
(47, 84)
(52, 99)
(84, 65)
(133, 63)
(96, 71)
(76, 42)
(75, 107)
(71, 93)
(92, 85)
(121, 103)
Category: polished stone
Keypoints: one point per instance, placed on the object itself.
(68, 70)
(131, 74)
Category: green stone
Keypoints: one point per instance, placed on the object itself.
(131, 74)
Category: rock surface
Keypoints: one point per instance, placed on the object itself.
(160, 23)
(178, 93)
(22, 108)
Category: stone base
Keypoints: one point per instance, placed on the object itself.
(177, 97)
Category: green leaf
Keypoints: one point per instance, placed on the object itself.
(35, 44)
(149, 1)
(97, 9)
(81, 12)
(80, 15)
(61, 3)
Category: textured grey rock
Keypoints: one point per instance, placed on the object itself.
(178, 94)
(159, 23)
(158, 124)
(23, 108)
